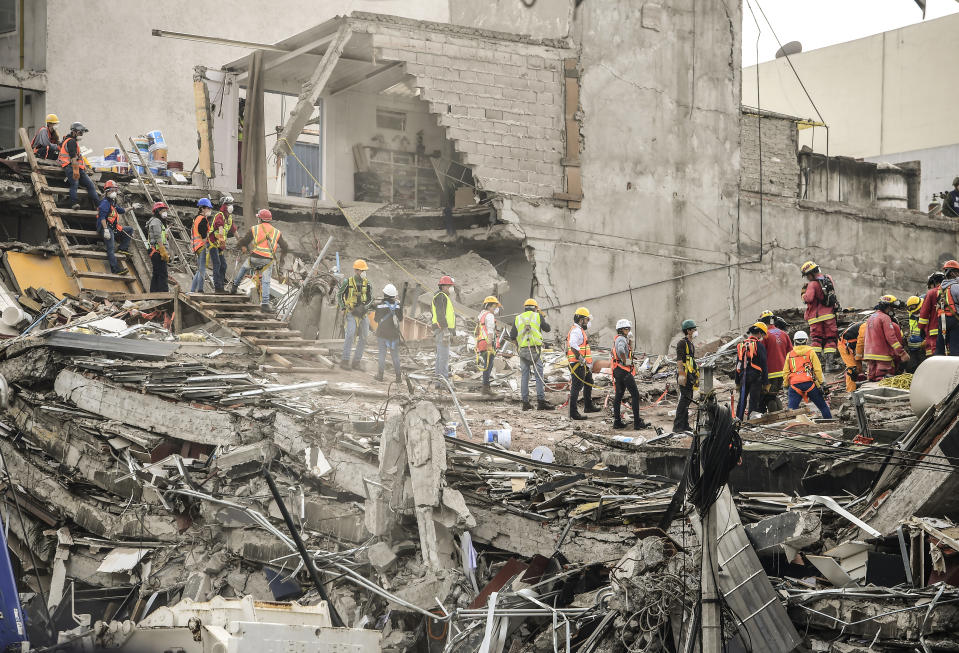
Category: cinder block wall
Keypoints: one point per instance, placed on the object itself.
(780, 165)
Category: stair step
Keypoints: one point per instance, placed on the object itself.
(61, 190)
(81, 233)
(281, 341)
(227, 306)
(301, 351)
(107, 275)
(259, 323)
(213, 298)
(231, 315)
(75, 213)
(94, 253)
(254, 332)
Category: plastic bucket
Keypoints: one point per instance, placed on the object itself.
(450, 429)
(142, 143)
(158, 154)
(502, 437)
(155, 140)
(175, 165)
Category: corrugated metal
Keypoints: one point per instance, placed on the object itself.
(298, 181)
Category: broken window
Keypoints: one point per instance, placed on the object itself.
(386, 119)
(8, 16)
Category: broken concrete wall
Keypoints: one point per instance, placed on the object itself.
(545, 19)
(780, 163)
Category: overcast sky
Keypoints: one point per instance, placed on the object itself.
(818, 23)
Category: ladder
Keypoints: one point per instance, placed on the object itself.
(177, 235)
(75, 229)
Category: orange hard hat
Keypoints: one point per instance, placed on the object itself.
(951, 264)
(264, 215)
(446, 280)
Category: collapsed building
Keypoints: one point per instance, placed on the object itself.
(181, 469)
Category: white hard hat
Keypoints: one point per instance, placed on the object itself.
(801, 335)
(623, 324)
(389, 290)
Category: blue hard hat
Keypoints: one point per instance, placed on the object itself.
(205, 203)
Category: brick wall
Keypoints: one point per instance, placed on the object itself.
(500, 100)
(779, 146)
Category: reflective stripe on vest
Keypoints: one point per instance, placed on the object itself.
(265, 239)
(615, 362)
(746, 350)
(482, 333)
(584, 348)
(198, 240)
(113, 219)
(450, 313)
(64, 159)
(800, 368)
(352, 294)
(154, 250)
(528, 332)
(947, 303)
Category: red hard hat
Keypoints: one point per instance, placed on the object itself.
(950, 265)
(264, 215)
(110, 184)
(159, 205)
(446, 280)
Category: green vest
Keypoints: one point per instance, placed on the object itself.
(527, 330)
(450, 313)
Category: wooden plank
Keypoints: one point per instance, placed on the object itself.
(229, 305)
(282, 361)
(59, 190)
(282, 341)
(104, 275)
(74, 213)
(81, 233)
(99, 254)
(264, 332)
(296, 369)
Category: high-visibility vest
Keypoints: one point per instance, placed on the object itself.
(113, 218)
(153, 249)
(219, 236)
(615, 362)
(689, 365)
(199, 241)
(482, 334)
(450, 313)
(584, 348)
(800, 368)
(528, 333)
(354, 293)
(947, 303)
(64, 158)
(265, 239)
(746, 354)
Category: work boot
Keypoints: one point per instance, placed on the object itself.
(542, 404)
(590, 407)
(641, 424)
(231, 288)
(619, 424)
(74, 207)
(265, 308)
(357, 364)
(573, 415)
(379, 376)
(399, 377)
(122, 271)
(487, 390)
(527, 405)
(219, 291)
(345, 364)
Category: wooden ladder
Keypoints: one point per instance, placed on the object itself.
(74, 229)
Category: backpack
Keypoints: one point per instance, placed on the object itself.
(829, 290)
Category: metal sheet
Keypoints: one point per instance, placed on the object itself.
(122, 559)
(148, 349)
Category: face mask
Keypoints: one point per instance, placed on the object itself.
(362, 274)
(496, 311)
(695, 334)
(589, 323)
(112, 194)
(163, 215)
(229, 208)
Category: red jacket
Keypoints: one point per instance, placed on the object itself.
(777, 346)
(929, 314)
(815, 299)
(883, 339)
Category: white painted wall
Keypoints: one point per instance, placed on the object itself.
(105, 69)
(883, 94)
(351, 119)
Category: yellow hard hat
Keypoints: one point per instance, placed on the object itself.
(762, 326)
(765, 314)
(360, 264)
(582, 311)
(888, 299)
(491, 300)
(52, 119)
(913, 304)
(531, 302)
(808, 267)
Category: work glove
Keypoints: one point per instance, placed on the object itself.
(136, 206)
(164, 254)
(108, 234)
(76, 170)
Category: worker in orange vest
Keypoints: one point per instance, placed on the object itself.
(580, 359)
(883, 344)
(929, 314)
(851, 342)
(263, 239)
(485, 335)
(46, 142)
(624, 368)
(777, 345)
(802, 372)
(221, 228)
(201, 242)
(752, 372)
(948, 341)
(70, 156)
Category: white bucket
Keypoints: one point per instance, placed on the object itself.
(502, 437)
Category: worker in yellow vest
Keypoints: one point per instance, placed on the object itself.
(527, 333)
(355, 298)
(263, 239)
(580, 359)
(444, 325)
(221, 227)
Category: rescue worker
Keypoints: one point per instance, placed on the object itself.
(948, 340)
(752, 372)
(355, 299)
(914, 339)
(803, 373)
(46, 142)
(819, 295)
(929, 313)
(156, 236)
(883, 341)
(851, 342)
(777, 345)
(444, 325)
(264, 239)
(115, 236)
(527, 332)
(201, 242)
(221, 229)
(623, 379)
(486, 339)
(580, 359)
(388, 316)
(950, 203)
(687, 377)
(77, 174)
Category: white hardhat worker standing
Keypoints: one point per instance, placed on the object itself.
(388, 317)
(623, 379)
(802, 374)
